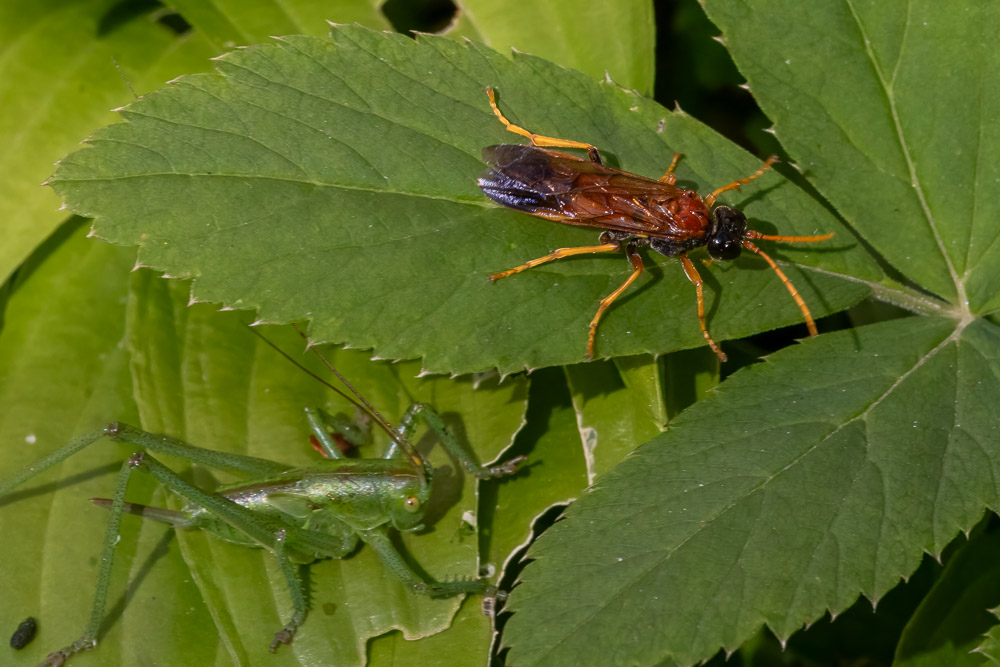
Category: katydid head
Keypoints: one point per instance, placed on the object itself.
(408, 506)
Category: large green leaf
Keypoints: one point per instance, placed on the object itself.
(890, 109)
(58, 80)
(827, 472)
(336, 181)
(64, 371)
(796, 486)
(202, 375)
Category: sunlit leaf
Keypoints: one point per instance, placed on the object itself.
(289, 183)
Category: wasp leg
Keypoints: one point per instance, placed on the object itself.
(710, 199)
(606, 302)
(695, 278)
(556, 254)
(539, 139)
(668, 177)
(810, 323)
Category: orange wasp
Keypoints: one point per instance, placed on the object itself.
(633, 211)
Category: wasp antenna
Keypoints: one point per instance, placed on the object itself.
(710, 199)
(751, 234)
(810, 323)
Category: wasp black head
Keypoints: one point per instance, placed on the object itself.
(726, 239)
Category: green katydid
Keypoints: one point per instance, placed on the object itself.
(298, 514)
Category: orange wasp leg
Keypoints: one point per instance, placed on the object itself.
(637, 268)
(539, 139)
(695, 278)
(710, 199)
(556, 254)
(668, 177)
(810, 323)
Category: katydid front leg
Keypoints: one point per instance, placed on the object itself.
(378, 540)
(423, 412)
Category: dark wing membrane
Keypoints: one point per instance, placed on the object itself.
(562, 187)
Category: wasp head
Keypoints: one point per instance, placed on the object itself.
(729, 228)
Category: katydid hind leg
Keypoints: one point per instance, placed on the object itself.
(90, 633)
(268, 532)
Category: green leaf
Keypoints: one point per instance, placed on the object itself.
(890, 110)
(800, 484)
(793, 488)
(190, 359)
(615, 410)
(990, 647)
(228, 24)
(555, 474)
(290, 183)
(58, 80)
(566, 32)
(203, 376)
(64, 371)
(952, 618)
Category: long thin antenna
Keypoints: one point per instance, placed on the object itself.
(361, 404)
(326, 362)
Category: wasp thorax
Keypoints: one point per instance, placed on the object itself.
(725, 241)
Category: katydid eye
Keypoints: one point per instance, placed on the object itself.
(412, 503)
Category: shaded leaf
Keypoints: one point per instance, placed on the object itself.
(555, 473)
(950, 621)
(990, 647)
(615, 410)
(290, 184)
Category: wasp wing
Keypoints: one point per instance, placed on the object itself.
(575, 191)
